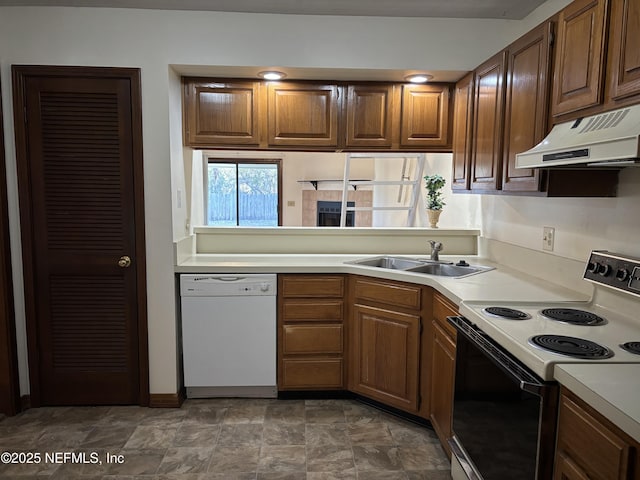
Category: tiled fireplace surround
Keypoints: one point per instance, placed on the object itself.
(310, 199)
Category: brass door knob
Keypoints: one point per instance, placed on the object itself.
(124, 261)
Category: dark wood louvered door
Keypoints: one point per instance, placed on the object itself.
(79, 142)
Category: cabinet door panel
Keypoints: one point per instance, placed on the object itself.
(579, 70)
(386, 356)
(425, 116)
(462, 122)
(303, 115)
(369, 115)
(625, 51)
(219, 113)
(443, 360)
(527, 95)
(591, 445)
(486, 156)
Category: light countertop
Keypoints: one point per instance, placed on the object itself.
(611, 389)
(503, 283)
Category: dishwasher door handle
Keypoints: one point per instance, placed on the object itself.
(229, 279)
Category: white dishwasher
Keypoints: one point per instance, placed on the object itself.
(229, 335)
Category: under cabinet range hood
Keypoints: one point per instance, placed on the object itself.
(610, 139)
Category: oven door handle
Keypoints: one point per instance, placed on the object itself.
(533, 388)
(507, 362)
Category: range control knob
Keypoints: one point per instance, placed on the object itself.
(622, 274)
(593, 267)
(604, 269)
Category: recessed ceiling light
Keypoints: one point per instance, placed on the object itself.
(272, 75)
(418, 78)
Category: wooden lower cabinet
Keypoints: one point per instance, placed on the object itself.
(395, 346)
(386, 353)
(385, 341)
(311, 334)
(442, 367)
(590, 447)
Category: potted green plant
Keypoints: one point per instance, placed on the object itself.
(434, 184)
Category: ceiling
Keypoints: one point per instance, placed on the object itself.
(504, 9)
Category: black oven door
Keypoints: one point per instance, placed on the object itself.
(503, 415)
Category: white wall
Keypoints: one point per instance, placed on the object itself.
(581, 224)
(156, 40)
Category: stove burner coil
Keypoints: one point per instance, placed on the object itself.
(571, 346)
(508, 313)
(631, 347)
(573, 316)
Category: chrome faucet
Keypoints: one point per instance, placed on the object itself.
(436, 247)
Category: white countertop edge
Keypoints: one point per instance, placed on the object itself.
(332, 231)
(600, 387)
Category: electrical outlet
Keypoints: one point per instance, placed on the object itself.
(548, 237)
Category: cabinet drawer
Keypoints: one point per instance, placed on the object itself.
(312, 339)
(320, 373)
(390, 293)
(312, 310)
(312, 286)
(443, 308)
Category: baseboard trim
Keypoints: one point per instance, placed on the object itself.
(166, 400)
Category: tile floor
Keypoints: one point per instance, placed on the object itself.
(230, 439)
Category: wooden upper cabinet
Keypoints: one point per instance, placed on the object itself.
(425, 116)
(580, 56)
(526, 112)
(462, 121)
(369, 115)
(302, 115)
(220, 113)
(488, 116)
(625, 49)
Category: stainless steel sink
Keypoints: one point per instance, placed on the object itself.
(446, 270)
(424, 266)
(393, 263)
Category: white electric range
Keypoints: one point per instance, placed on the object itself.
(505, 396)
(609, 324)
